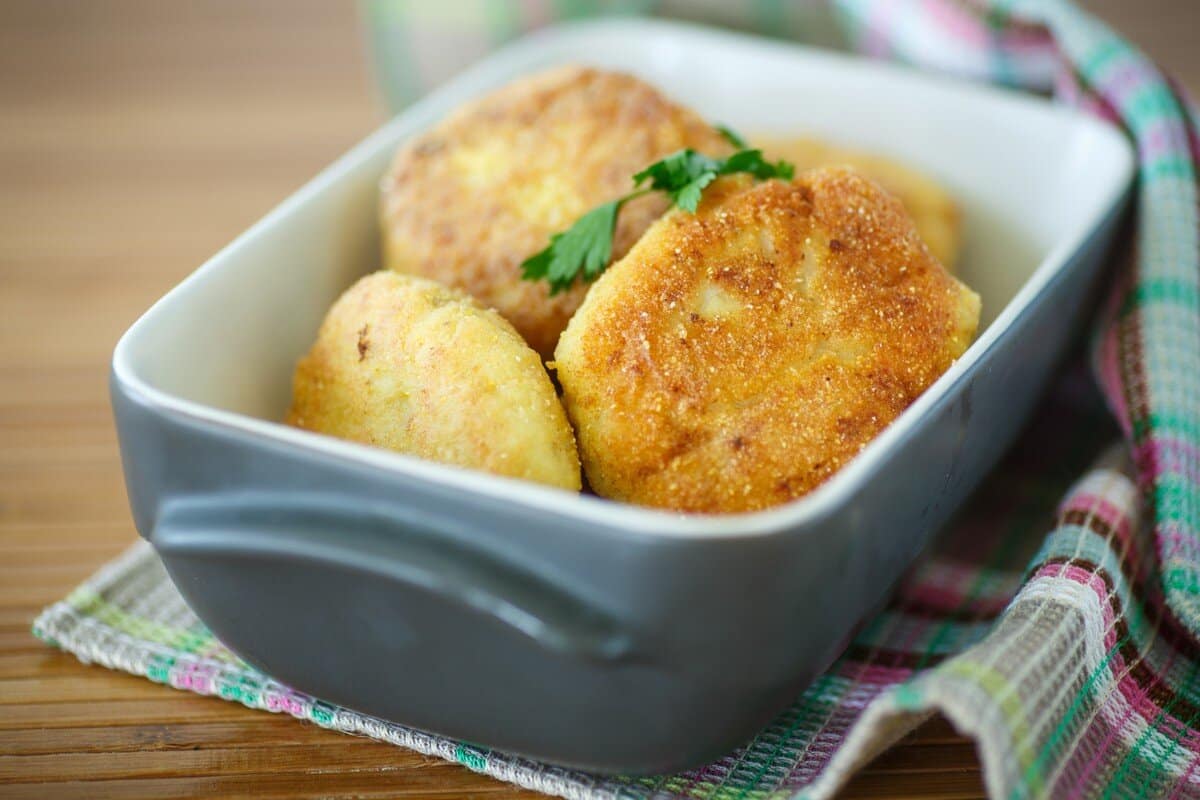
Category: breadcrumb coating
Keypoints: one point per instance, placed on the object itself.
(936, 215)
(737, 358)
(407, 364)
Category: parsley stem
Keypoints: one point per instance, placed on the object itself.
(584, 249)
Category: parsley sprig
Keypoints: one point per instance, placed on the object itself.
(586, 247)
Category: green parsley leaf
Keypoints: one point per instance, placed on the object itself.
(677, 170)
(732, 137)
(682, 175)
(687, 196)
(752, 161)
(586, 247)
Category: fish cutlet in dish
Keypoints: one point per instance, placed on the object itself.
(737, 357)
(407, 364)
(468, 201)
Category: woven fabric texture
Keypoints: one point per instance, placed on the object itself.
(1056, 621)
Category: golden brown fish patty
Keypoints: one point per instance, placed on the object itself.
(471, 199)
(407, 364)
(738, 357)
(933, 210)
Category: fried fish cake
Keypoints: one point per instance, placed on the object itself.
(407, 364)
(738, 357)
(470, 200)
(934, 211)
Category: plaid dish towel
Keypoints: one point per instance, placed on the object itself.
(1057, 622)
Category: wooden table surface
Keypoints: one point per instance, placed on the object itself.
(136, 138)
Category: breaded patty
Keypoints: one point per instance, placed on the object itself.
(738, 357)
(471, 199)
(932, 208)
(407, 364)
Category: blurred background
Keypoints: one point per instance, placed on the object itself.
(137, 137)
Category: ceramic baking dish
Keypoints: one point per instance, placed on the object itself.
(570, 628)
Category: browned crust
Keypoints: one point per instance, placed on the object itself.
(738, 357)
(934, 212)
(470, 200)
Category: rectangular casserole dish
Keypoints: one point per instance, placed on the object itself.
(569, 628)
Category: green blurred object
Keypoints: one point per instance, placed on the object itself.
(418, 44)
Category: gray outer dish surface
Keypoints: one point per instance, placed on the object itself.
(575, 641)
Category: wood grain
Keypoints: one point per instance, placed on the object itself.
(136, 138)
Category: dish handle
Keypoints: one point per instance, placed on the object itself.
(414, 553)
